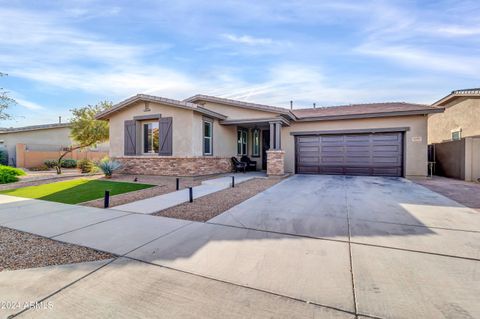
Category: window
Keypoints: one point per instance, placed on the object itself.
(242, 142)
(456, 135)
(256, 143)
(150, 138)
(207, 138)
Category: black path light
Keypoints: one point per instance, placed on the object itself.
(106, 199)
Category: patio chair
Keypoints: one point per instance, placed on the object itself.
(239, 166)
(251, 165)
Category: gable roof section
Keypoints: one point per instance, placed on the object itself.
(369, 110)
(161, 100)
(246, 105)
(33, 128)
(475, 92)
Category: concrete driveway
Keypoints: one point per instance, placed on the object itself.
(309, 247)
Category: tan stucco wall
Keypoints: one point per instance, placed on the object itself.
(238, 113)
(415, 152)
(182, 127)
(187, 131)
(461, 113)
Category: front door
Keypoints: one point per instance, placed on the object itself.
(265, 147)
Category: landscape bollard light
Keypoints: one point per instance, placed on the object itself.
(190, 192)
(178, 183)
(233, 181)
(106, 201)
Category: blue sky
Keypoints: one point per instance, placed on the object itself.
(65, 54)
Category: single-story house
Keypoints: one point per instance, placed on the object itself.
(30, 146)
(199, 135)
(454, 135)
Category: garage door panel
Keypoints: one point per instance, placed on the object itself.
(352, 154)
(331, 159)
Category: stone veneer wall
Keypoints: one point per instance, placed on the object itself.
(174, 166)
(275, 163)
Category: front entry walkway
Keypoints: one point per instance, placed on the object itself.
(161, 202)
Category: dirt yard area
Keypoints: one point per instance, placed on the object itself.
(19, 250)
(209, 206)
(466, 193)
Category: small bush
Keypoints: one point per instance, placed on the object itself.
(109, 166)
(50, 163)
(40, 168)
(69, 163)
(86, 166)
(9, 174)
(3, 156)
(66, 163)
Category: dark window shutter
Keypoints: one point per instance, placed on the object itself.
(165, 136)
(130, 138)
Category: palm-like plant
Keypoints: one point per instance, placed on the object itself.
(109, 166)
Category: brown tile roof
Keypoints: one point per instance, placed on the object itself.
(365, 110)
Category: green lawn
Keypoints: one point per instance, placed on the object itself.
(75, 191)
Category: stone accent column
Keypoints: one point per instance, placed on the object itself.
(275, 163)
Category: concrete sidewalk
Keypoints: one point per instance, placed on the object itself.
(161, 202)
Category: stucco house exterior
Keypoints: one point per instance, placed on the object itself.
(454, 135)
(199, 135)
(30, 146)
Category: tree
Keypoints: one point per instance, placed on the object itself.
(86, 131)
(5, 102)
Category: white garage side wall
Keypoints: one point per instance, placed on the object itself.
(415, 138)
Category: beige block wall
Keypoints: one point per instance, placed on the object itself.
(461, 113)
(415, 152)
(182, 127)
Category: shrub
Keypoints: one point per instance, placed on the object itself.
(3, 156)
(69, 163)
(66, 163)
(40, 168)
(86, 166)
(50, 163)
(9, 174)
(108, 167)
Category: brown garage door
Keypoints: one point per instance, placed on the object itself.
(379, 154)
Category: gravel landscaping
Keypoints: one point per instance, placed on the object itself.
(209, 206)
(19, 250)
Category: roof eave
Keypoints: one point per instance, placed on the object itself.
(169, 102)
(369, 115)
(272, 109)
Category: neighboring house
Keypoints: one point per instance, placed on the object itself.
(30, 146)
(199, 135)
(455, 135)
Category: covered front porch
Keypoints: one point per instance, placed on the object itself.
(260, 140)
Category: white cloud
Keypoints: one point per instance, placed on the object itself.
(29, 105)
(248, 40)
